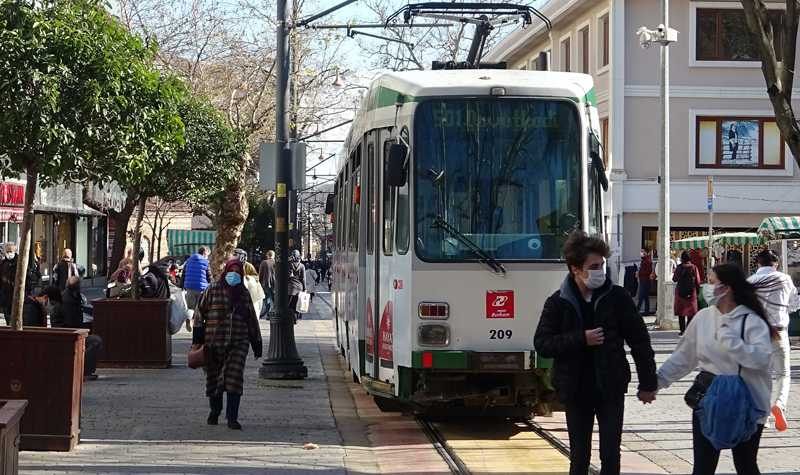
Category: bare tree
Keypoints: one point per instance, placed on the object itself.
(159, 215)
(777, 66)
(226, 52)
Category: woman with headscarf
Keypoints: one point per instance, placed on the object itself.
(687, 278)
(297, 281)
(226, 322)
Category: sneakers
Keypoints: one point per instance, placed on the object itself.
(780, 419)
(234, 425)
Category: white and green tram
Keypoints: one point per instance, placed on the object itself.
(455, 192)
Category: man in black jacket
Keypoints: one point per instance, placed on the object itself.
(69, 314)
(584, 327)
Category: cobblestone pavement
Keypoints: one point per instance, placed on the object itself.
(657, 438)
(153, 421)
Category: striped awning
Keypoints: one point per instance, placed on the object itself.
(780, 227)
(182, 241)
(724, 239)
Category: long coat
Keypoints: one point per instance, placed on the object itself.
(228, 331)
(686, 307)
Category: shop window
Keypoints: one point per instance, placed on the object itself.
(739, 142)
(723, 35)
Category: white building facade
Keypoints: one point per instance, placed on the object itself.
(721, 124)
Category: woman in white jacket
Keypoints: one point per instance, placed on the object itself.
(253, 286)
(713, 344)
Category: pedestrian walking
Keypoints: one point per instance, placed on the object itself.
(732, 336)
(196, 279)
(65, 269)
(645, 282)
(687, 279)
(297, 281)
(266, 275)
(584, 327)
(253, 286)
(780, 298)
(227, 325)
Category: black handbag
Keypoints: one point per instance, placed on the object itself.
(703, 380)
(698, 389)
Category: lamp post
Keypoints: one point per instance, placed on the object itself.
(664, 36)
(282, 361)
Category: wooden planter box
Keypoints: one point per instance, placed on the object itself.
(45, 367)
(10, 415)
(135, 333)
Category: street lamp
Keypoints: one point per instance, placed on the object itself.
(664, 36)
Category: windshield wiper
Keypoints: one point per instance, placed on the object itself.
(483, 256)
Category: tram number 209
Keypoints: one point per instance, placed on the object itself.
(497, 334)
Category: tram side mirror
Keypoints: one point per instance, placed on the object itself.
(396, 165)
(597, 161)
(329, 203)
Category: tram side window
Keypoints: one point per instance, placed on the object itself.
(595, 202)
(403, 223)
(354, 208)
(370, 192)
(389, 196)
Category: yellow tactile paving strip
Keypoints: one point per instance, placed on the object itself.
(502, 447)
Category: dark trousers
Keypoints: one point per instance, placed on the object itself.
(232, 409)
(706, 457)
(683, 322)
(580, 425)
(644, 296)
(94, 344)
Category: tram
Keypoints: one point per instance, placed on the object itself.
(455, 192)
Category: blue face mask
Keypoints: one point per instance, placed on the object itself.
(233, 278)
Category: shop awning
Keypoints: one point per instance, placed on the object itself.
(724, 239)
(181, 242)
(780, 227)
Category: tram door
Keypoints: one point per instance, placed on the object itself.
(371, 265)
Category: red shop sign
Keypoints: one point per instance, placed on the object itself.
(12, 194)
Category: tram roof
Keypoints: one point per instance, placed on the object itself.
(418, 84)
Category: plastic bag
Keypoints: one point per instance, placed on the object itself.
(303, 302)
(178, 308)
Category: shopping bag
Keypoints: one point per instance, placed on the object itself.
(303, 302)
(178, 308)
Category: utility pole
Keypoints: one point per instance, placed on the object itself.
(664, 36)
(283, 361)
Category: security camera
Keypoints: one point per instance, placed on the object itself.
(646, 36)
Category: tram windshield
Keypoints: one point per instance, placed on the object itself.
(505, 173)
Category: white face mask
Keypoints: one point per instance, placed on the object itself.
(710, 296)
(596, 278)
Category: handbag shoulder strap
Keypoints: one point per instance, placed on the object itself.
(744, 323)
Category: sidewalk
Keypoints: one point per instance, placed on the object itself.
(657, 438)
(154, 421)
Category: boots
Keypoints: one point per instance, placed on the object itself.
(232, 411)
(215, 402)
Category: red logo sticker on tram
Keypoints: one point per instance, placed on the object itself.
(499, 304)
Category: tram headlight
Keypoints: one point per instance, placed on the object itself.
(433, 334)
(433, 310)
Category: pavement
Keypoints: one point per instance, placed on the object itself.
(657, 438)
(153, 421)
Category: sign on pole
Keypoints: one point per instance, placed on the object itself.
(268, 160)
